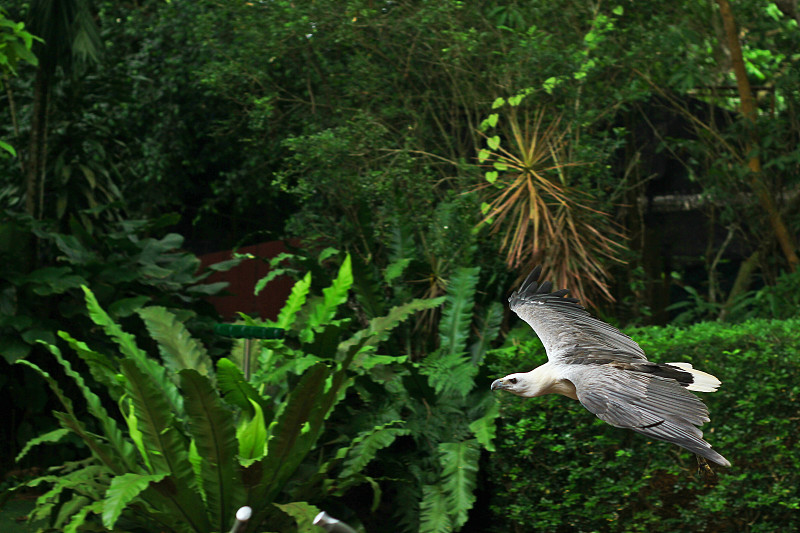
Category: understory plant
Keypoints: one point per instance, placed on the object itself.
(425, 419)
(180, 442)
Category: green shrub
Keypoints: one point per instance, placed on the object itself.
(558, 468)
(178, 444)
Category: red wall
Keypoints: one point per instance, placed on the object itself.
(242, 280)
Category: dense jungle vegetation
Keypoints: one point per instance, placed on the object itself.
(422, 156)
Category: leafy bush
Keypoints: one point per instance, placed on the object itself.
(191, 442)
(558, 468)
(127, 263)
(439, 413)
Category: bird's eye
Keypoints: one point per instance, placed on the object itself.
(513, 381)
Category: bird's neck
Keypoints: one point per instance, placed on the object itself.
(546, 379)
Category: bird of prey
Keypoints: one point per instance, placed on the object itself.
(608, 373)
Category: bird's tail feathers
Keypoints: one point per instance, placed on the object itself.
(701, 381)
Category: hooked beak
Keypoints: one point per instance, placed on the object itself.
(498, 384)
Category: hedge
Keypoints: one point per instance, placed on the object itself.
(558, 468)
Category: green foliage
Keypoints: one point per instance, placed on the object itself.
(15, 45)
(780, 300)
(194, 445)
(123, 262)
(559, 468)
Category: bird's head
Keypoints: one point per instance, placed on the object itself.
(521, 384)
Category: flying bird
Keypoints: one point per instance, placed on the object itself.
(608, 373)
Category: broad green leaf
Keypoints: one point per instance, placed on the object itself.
(491, 176)
(122, 490)
(49, 437)
(128, 411)
(498, 102)
(127, 346)
(303, 513)
(179, 350)
(493, 142)
(8, 148)
(295, 431)
(484, 428)
(252, 436)
(483, 155)
(69, 421)
(102, 368)
(78, 519)
(236, 390)
(211, 426)
(121, 447)
(68, 509)
(167, 448)
(127, 306)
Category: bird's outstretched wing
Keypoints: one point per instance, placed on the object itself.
(569, 333)
(654, 406)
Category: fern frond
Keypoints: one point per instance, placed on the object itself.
(122, 490)
(122, 447)
(294, 303)
(324, 310)
(484, 428)
(69, 421)
(367, 288)
(434, 510)
(459, 462)
(457, 311)
(49, 437)
(364, 447)
(102, 368)
(127, 345)
(379, 328)
(487, 331)
(178, 348)
(450, 373)
(77, 520)
(303, 514)
(295, 431)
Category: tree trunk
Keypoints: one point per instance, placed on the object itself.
(748, 109)
(36, 162)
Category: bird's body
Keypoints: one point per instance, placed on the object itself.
(608, 373)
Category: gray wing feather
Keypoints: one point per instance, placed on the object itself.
(653, 406)
(565, 328)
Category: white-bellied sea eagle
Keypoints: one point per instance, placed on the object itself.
(608, 373)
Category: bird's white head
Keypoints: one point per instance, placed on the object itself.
(522, 384)
(541, 380)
